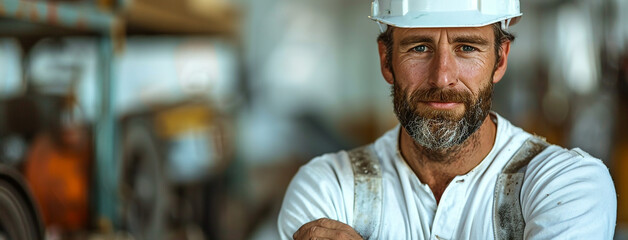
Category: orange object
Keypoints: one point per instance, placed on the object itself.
(58, 175)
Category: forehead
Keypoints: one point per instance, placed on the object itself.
(485, 32)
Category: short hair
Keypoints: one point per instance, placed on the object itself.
(501, 36)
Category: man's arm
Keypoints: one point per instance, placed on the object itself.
(326, 228)
(571, 196)
(322, 189)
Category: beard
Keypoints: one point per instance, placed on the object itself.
(439, 130)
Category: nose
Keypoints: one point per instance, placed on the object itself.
(444, 70)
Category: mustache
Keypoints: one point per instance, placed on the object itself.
(440, 95)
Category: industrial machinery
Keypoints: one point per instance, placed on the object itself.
(95, 191)
(20, 217)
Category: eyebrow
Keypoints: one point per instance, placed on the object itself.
(470, 39)
(415, 39)
(473, 39)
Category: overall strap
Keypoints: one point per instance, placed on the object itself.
(508, 221)
(367, 177)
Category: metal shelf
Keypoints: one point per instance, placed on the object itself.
(69, 16)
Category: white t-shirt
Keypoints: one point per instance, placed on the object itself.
(566, 194)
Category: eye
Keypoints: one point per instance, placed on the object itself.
(420, 48)
(467, 48)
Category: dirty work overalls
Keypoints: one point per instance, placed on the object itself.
(508, 220)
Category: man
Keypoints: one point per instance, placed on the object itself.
(452, 169)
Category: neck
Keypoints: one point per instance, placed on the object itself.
(438, 167)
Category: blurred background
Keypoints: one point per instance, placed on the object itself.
(161, 119)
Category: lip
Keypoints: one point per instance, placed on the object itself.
(443, 105)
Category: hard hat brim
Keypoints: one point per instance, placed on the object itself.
(445, 19)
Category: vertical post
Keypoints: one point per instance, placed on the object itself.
(106, 165)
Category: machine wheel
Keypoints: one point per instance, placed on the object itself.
(143, 185)
(19, 217)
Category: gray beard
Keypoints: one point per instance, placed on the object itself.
(441, 132)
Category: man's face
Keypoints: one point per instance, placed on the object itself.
(442, 82)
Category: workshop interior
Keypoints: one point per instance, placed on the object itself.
(187, 119)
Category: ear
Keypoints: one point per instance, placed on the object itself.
(386, 72)
(501, 66)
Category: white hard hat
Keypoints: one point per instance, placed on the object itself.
(445, 13)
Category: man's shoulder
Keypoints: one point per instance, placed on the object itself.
(557, 159)
(328, 173)
(568, 174)
(328, 162)
(569, 192)
(560, 170)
